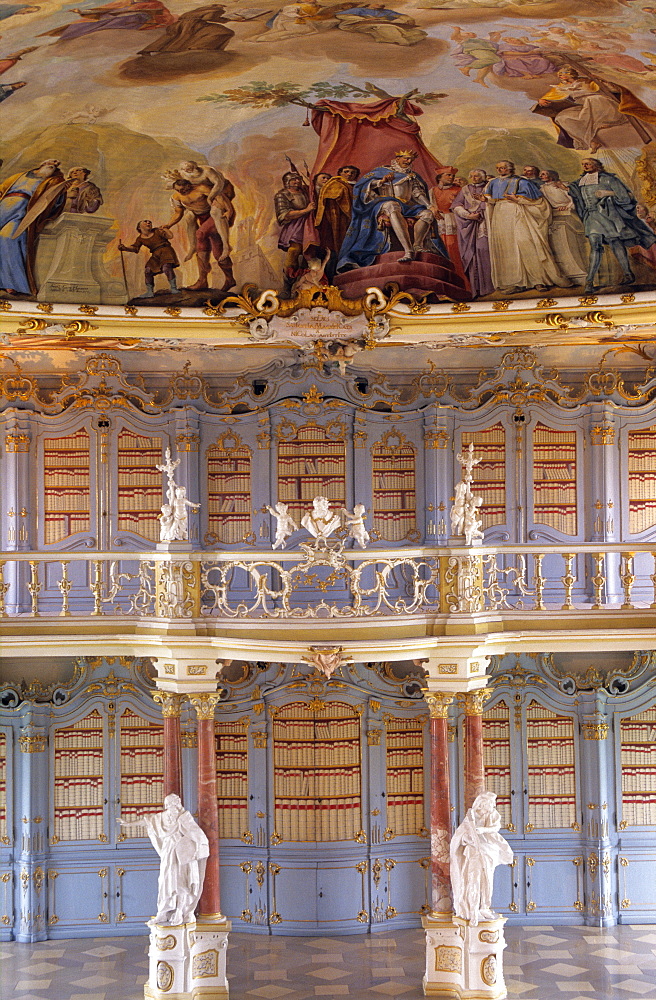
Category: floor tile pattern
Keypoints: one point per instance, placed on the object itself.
(541, 963)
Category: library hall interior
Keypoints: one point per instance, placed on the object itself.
(327, 500)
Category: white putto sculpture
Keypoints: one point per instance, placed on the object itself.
(285, 523)
(173, 520)
(476, 849)
(356, 525)
(465, 516)
(183, 849)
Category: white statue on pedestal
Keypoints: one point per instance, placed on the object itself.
(465, 516)
(356, 525)
(285, 523)
(321, 521)
(476, 849)
(183, 848)
(173, 520)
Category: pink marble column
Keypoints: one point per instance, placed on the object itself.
(440, 802)
(209, 905)
(171, 708)
(474, 765)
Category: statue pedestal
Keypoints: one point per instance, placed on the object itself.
(69, 261)
(464, 962)
(188, 961)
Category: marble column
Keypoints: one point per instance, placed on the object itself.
(474, 766)
(209, 906)
(171, 709)
(440, 801)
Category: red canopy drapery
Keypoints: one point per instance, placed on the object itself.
(368, 135)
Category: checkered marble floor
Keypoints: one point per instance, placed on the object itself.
(541, 963)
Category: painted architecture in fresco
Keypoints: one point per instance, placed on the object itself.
(172, 153)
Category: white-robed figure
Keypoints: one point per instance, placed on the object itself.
(183, 849)
(518, 218)
(476, 849)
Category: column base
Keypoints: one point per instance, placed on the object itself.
(464, 962)
(188, 961)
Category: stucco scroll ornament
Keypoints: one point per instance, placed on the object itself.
(476, 849)
(183, 849)
(465, 513)
(173, 520)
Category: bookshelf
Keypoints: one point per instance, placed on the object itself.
(309, 465)
(78, 779)
(489, 476)
(141, 768)
(229, 491)
(4, 836)
(394, 487)
(231, 743)
(496, 758)
(642, 479)
(554, 478)
(638, 761)
(139, 483)
(404, 758)
(316, 772)
(66, 486)
(551, 769)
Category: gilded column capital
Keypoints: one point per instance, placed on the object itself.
(171, 703)
(438, 703)
(475, 700)
(205, 704)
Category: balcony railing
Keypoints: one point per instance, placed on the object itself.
(341, 585)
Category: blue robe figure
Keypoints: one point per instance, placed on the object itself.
(398, 194)
(607, 209)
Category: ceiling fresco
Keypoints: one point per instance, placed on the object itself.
(169, 154)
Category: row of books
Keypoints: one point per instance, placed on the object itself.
(231, 760)
(229, 530)
(405, 758)
(638, 780)
(62, 500)
(302, 820)
(638, 729)
(639, 813)
(562, 497)
(232, 822)
(547, 814)
(78, 824)
(68, 442)
(141, 739)
(307, 489)
(543, 435)
(394, 531)
(141, 792)
(543, 753)
(330, 464)
(225, 482)
(405, 821)
(551, 780)
(550, 728)
(401, 780)
(142, 756)
(138, 502)
(61, 481)
(639, 756)
(497, 772)
(642, 520)
(79, 767)
(90, 739)
(57, 528)
(334, 756)
(233, 784)
(317, 445)
(317, 782)
(316, 728)
(642, 461)
(405, 741)
(236, 742)
(394, 500)
(219, 504)
(72, 790)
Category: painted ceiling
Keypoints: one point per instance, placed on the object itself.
(126, 95)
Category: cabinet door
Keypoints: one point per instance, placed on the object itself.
(80, 778)
(79, 896)
(134, 891)
(339, 905)
(553, 885)
(636, 880)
